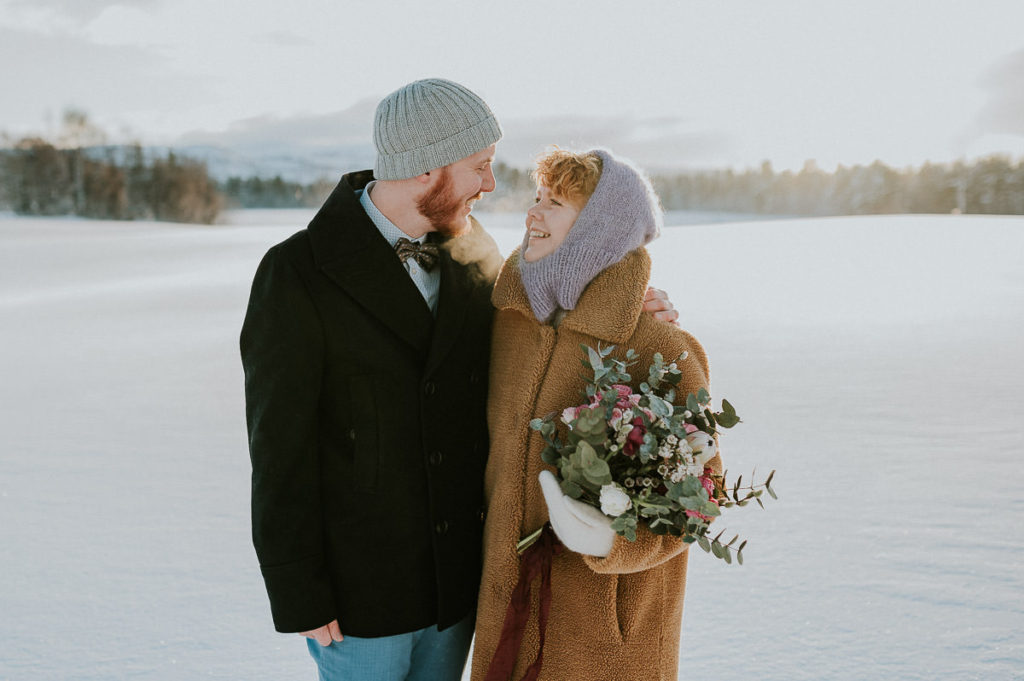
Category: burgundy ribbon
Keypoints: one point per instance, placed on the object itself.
(536, 560)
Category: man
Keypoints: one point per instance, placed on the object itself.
(365, 348)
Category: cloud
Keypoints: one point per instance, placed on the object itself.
(45, 74)
(655, 143)
(81, 11)
(1003, 113)
(286, 39)
(351, 126)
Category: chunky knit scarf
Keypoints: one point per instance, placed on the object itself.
(622, 214)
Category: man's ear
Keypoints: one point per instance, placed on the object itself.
(425, 178)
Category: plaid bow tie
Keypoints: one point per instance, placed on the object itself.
(423, 253)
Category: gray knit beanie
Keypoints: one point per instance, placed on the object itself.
(621, 215)
(428, 124)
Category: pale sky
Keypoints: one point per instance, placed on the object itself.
(708, 83)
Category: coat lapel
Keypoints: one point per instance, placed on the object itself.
(350, 250)
(453, 300)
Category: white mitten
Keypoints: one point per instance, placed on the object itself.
(582, 528)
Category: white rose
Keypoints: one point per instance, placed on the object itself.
(568, 414)
(614, 500)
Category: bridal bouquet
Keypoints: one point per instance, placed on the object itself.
(639, 457)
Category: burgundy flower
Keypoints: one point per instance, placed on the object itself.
(635, 438)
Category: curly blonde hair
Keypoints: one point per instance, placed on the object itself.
(569, 174)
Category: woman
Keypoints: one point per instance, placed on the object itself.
(615, 606)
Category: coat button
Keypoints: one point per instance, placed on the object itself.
(435, 458)
(483, 515)
(351, 433)
(441, 527)
(429, 388)
(474, 378)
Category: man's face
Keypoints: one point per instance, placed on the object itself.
(456, 188)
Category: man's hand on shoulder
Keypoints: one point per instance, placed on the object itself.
(656, 303)
(325, 634)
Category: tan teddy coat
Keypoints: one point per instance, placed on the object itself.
(615, 618)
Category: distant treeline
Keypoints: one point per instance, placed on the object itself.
(75, 174)
(258, 192)
(993, 185)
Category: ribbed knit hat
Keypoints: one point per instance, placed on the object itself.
(428, 124)
(622, 214)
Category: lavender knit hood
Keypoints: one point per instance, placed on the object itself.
(621, 215)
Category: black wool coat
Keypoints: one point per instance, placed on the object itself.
(367, 429)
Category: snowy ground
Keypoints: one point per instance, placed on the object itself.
(876, 362)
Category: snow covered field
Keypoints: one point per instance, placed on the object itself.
(876, 362)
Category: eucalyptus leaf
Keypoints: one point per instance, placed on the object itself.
(660, 407)
(710, 509)
(587, 455)
(571, 489)
(710, 416)
(625, 525)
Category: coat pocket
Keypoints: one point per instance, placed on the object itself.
(638, 604)
(363, 433)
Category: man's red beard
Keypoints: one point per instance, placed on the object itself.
(443, 208)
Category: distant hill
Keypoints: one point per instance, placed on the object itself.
(304, 166)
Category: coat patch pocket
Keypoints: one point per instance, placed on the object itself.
(637, 604)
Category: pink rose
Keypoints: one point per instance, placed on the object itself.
(709, 486)
(569, 413)
(626, 398)
(616, 419)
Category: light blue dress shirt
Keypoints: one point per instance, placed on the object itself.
(428, 283)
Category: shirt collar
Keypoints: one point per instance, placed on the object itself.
(387, 228)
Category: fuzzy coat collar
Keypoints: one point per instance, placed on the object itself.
(608, 308)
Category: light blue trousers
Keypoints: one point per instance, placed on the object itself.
(423, 655)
